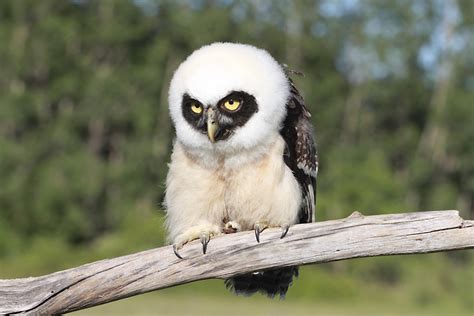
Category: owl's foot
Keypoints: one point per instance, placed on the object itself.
(231, 227)
(202, 232)
(261, 226)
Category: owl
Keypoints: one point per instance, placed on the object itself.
(244, 157)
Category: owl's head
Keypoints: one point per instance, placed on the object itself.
(228, 97)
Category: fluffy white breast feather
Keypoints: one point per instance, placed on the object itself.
(201, 200)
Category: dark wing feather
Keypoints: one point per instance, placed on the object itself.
(301, 154)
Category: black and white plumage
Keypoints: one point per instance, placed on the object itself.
(301, 155)
(244, 157)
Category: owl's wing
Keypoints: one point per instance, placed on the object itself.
(301, 154)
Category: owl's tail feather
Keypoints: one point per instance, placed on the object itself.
(270, 282)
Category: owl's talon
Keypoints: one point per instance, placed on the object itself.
(205, 238)
(175, 250)
(285, 229)
(259, 227)
(203, 232)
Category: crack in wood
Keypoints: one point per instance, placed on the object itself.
(434, 231)
(64, 289)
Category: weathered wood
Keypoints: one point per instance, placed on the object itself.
(356, 236)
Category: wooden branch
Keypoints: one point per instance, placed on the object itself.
(356, 236)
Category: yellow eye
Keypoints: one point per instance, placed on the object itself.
(196, 108)
(232, 104)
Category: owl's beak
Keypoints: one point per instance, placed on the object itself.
(212, 125)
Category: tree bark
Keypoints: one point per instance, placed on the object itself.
(353, 237)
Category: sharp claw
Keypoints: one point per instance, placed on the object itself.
(175, 250)
(258, 229)
(285, 229)
(204, 241)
